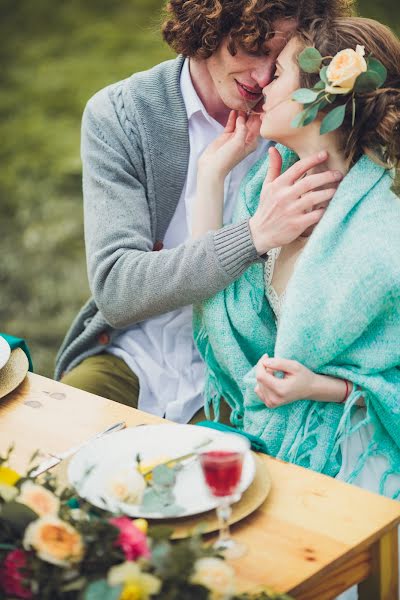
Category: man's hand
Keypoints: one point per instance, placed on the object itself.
(291, 203)
(238, 140)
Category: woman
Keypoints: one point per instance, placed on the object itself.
(321, 319)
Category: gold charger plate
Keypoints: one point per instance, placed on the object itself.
(252, 499)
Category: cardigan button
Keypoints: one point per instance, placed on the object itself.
(158, 246)
(103, 338)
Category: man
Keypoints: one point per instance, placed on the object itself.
(141, 138)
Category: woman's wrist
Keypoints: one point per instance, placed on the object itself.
(324, 388)
(209, 170)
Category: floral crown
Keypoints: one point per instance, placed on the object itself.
(347, 73)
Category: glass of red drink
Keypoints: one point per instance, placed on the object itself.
(222, 463)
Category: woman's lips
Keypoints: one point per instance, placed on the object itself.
(246, 93)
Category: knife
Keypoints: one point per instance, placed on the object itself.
(55, 459)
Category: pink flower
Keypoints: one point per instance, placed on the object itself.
(12, 578)
(131, 540)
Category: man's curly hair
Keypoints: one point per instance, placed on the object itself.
(195, 28)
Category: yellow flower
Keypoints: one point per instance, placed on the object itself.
(344, 69)
(54, 540)
(141, 524)
(8, 476)
(216, 575)
(39, 499)
(137, 585)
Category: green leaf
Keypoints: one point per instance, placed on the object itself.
(310, 60)
(152, 502)
(333, 119)
(298, 119)
(18, 516)
(311, 114)
(320, 85)
(100, 590)
(304, 96)
(323, 75)
(367, 82)
(377, 67)
(163, 476)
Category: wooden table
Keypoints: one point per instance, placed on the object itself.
(313, 537)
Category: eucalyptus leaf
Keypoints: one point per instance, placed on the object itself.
(311, 114)
(304, 96)
(333, 119)
(323, 74)
(100, 590)
(310, 60)
(171, 510)
(163, 476)
(367, 82)
(320, 85)
(377, 67)
(298, 119)
(152, 501)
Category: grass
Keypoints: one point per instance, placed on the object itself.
(54, 56)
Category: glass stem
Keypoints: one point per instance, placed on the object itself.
(224, 512)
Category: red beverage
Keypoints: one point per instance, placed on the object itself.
(222, 470)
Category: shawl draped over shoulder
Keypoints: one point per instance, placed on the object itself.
(340, 317)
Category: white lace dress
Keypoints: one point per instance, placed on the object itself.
(353, 445)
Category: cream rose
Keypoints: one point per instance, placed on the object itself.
(40, 500)
(216, 575)
(344, 69)
(55, 541)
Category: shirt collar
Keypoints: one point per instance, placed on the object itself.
(191, 99)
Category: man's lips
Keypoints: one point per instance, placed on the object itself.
(248, 92)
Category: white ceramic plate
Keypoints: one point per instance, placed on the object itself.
(5, 352)
(92, 469)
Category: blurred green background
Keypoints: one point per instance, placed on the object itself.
(54, 56)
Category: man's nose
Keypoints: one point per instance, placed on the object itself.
(262, 75)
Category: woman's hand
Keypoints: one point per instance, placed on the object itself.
(298, 381)
(238, 140)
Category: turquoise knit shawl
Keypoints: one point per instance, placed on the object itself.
(340, 317)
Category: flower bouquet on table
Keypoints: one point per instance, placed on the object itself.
(53, 546)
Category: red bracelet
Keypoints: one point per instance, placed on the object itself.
(347, 392)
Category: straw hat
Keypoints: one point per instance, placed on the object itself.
(13, 372)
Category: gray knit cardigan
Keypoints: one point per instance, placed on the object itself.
(135, 150)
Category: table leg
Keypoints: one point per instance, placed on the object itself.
(383, 582)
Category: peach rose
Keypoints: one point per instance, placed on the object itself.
(344, 69)
(216, 575)
(39, 499)
(55, 541)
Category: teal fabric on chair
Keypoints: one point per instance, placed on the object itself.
(16, 342)
(340, 317)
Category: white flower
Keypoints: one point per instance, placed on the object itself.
(39, 499)
(216, 575)
(128, 486)
(344, 69)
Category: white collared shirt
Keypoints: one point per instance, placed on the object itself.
(161, 350)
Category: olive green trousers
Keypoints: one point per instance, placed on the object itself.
(109, 376)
